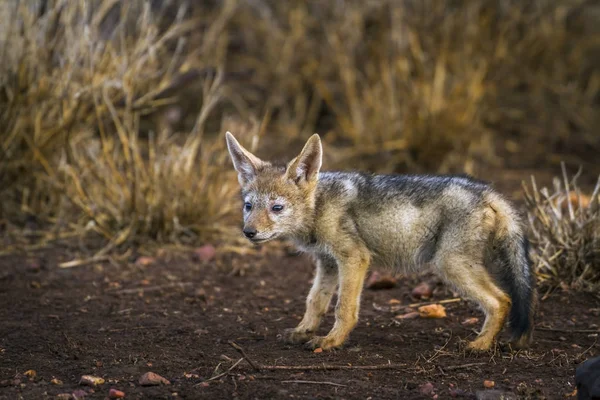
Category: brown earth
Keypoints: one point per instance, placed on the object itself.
(176, 316)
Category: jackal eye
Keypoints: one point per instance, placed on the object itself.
(277, 207)
(247, 206)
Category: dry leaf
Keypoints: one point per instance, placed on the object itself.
(432, 311)
(30, 373)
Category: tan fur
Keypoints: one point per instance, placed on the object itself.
(467, 232)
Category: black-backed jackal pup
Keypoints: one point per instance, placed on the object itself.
(468, 233)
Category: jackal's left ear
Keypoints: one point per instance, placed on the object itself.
(306, 166)
(244, 162)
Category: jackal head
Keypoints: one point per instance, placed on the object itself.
(278, 200)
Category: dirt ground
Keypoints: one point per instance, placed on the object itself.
(176, 316)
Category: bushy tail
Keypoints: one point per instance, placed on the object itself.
(515, 272)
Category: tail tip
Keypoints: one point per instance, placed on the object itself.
(522, 320)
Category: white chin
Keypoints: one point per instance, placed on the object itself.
(263, 239)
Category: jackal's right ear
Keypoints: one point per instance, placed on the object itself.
(244, 162)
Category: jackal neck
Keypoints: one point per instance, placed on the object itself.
(305, 232)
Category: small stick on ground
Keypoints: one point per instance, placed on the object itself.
(151, 288)
(462, 366)
(567, 330)
(326, 367)
(83, 261)
(416, 305)
(322, 367)
(316, 383)
(222, 374)
(438, 351)
(446, 301)
(243, 353)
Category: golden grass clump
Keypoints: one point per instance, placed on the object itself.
(565, 231)
(157, 188)
(82, 86)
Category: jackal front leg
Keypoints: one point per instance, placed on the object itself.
(352, 271)
(317, 302)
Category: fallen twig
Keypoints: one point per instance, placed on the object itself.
(222, 374)
(580, 355)
(316, 383)
(446, 301)
(151, 288)
(321, 367)
(326, 367)
(243, 353)
(455, 367)
(83, 261)
(567, 330)
(415, 305)
(438, 351)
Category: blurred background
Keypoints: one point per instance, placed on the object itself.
(113, 113)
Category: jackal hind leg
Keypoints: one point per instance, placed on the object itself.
(473, 280)
(317, 302)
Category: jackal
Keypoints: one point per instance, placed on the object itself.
(467, 232)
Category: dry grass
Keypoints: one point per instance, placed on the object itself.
(565, 231)
(425, 85)
(112, 113)
(80, 83)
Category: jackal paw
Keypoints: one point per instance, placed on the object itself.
(295, 336)
(324, 342)
(480, 344)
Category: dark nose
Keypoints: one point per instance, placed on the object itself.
(249, 232)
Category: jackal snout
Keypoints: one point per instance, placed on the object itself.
(249, 232)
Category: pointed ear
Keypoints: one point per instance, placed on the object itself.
(244, 162)
(306, 166)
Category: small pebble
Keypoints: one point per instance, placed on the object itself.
(152, 379)
(91, 380)
(377, 281)
(144, 261)
(205, 253)
(116, 394)
(79, 394)
(426, 389)
(422, 291)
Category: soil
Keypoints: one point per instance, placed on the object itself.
(176, 315)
